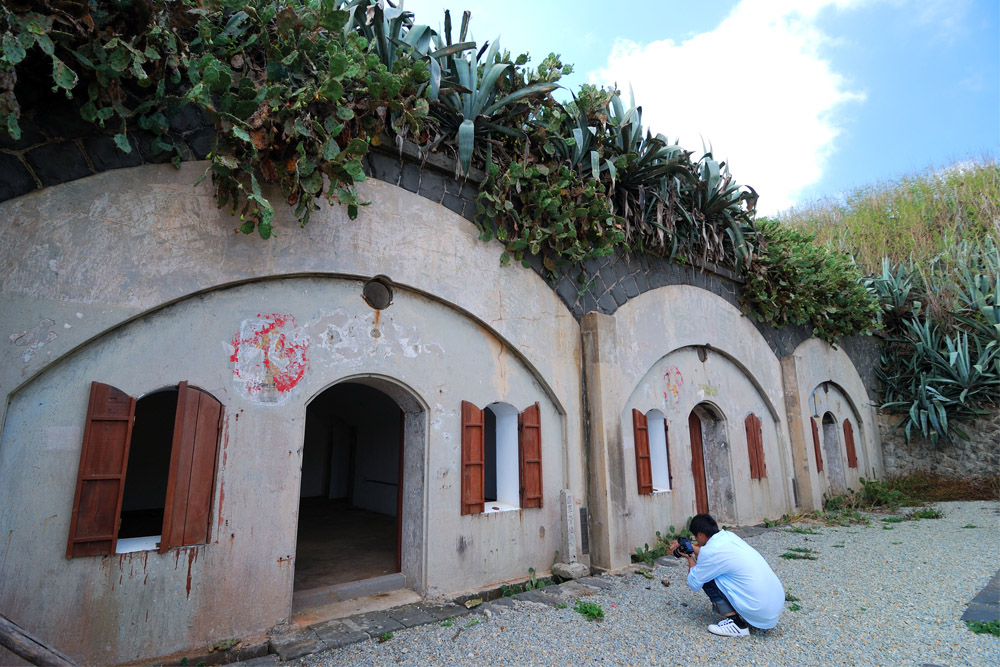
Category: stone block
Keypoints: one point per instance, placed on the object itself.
(30, 135)
(566, 290)
(453, 203)
(618, 293)
(411, 616)
(445, 610)
(631, 289)
(538, 596)
(981, 612)
(335, 634)
(62, 121)
(409, 178)
(384, 167)
(374, 623)
(596, 582)
(190, 118)
(58, 163)
(200, 142)
(607, 304)
(15, 179)
(432, 186)
(295, 645)
(104, 153)
(570, 570)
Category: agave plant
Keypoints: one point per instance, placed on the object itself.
(488, 96)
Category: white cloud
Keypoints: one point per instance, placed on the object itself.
(756, 88)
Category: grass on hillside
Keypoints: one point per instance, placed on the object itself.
(916, 217)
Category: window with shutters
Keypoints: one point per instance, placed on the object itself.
(652, 451)
(755, 447)
(147, 471)
(501, 458)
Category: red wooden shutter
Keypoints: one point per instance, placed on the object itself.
(750, 423)
(852, 455)
(191, 480)
(762, 466)
(529, 450)
(643, 466)
(698, 464)
(473, 498)
(819, 455)
(97, 504)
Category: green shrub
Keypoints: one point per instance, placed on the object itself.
(793, 280)
(590, 610)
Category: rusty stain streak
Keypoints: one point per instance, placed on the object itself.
(192, 557)
(47, 519)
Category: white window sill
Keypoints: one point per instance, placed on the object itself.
(130, 544)
(495, 507)
(657, 491)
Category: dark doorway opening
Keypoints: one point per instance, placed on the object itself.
(350, 493)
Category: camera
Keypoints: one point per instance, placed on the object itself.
(684, 547)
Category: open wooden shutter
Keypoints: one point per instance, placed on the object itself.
(191, 480)
(97, 504)
(529, 451)
(643, 466)
(473, 498)
(755, 447)
(852, 454)
(819, 455)
(761, 464)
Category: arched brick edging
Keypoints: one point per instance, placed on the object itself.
(57, 146)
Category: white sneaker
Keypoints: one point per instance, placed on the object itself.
(728, 628)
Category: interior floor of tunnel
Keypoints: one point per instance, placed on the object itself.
(338, 543)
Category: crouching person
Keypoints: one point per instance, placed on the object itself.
(737, 579)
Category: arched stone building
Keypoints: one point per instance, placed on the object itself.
(196, 424)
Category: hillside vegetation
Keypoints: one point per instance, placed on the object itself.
(930, 244)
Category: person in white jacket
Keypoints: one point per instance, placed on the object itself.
(737, 579)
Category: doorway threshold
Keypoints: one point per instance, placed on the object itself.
(350, 590)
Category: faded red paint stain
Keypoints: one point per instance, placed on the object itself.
(269, 352)
(222, 496)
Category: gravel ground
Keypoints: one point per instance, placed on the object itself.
(885, 594)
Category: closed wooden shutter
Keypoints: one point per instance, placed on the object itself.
(751, 432)
(816, 449)
(100, 482)
(852, 455)
(529, 449)
(643, 465)
(193, 456)
(473, 499)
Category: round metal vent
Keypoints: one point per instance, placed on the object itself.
(377, 293)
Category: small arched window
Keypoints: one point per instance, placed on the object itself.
(652, 451)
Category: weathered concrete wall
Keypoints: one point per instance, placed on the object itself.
(95, 266)
(979, 456)
(648, 359)
(805, 372)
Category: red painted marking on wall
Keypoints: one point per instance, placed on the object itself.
(269, 351)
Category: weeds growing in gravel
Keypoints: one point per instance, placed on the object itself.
(970, 525)
(447, 623)
(590, 610)
(383, 638)
(799, 553)
(925, 513)
(794, 607)
(790, 598)
(985, 627)
(803, 531)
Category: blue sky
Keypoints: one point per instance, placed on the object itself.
(804, 98)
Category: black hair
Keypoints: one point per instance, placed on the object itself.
(703, 523)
